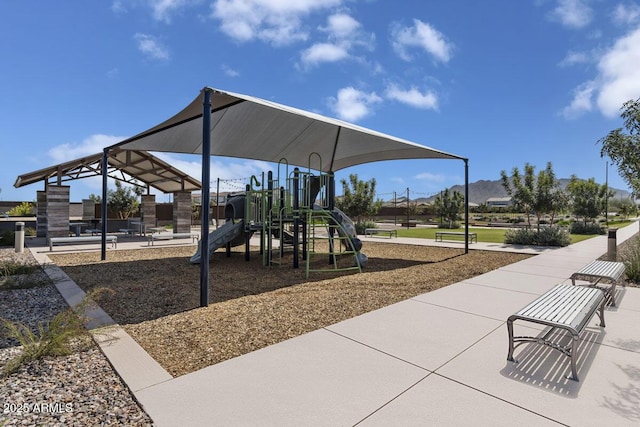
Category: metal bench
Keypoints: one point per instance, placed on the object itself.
(565, 307)
(373, 231)
(597, 270)
(168, 236)
(473, 237)
(81, 239)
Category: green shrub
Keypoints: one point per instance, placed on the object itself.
(7, 238)
(363, 225)
(631, 260)
(548, 236)
(23, 209)
(21, 276)
(578, 227)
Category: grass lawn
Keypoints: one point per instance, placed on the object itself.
(489, 235)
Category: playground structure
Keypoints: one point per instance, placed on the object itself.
(296, 208)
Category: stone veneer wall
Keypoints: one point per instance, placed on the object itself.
(57, 210)
(148, 210)
(41, 213)
(182, 212)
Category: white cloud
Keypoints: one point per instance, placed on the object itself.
(620, 74)
(229, 71)
(323, 52)
(573, 14)
(341, 26)
(421, 35)
(412, 97)
(582, 101)
(573, 58)
(344, 35)
(89, 146)
(626, 14)
(163, 9)
(233, 173)
(352, 104)
(431, 177)
(278, 22)
(617, 81)
(151, 47)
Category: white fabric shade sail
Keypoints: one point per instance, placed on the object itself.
(252, 128)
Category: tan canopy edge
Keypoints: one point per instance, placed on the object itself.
(252, 128)
(133, 166)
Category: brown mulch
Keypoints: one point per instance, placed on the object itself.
(157, 295)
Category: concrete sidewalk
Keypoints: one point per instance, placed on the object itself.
(436, 359)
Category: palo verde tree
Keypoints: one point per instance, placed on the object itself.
(624, 148)
(357, 199)
(124, 200)
(449, 206)
(539, 194)
(588, 199)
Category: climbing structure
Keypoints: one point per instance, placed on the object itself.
(297, 209)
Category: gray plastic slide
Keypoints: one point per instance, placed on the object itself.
(220, 237)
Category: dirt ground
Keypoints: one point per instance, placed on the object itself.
(156, 295)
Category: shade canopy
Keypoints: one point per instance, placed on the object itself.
(252, 128)
(132, 166)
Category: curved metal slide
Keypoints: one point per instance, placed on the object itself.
(228, 232)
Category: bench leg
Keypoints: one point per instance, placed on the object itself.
(510, 330)
(574, 354)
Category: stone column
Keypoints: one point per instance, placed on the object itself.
(148, 210)
(182, 212)
(57, 211)
(88, 209)
(41, 214)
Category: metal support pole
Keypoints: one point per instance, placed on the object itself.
(103, 208)
(332, 204)
(296, 216)
(206, 196)
(466, 206)
(407, 208)
(217, 201)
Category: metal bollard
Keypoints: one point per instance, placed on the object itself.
(19, 237)
(612, 247)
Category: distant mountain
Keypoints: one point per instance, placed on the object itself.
(482, 190)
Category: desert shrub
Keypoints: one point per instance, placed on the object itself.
(631, 260)
(21, 276)
(548, 236)
(363, 225)
(23, 209)
(57, 338)
(579, 227)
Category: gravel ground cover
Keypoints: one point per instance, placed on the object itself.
(156, 295)
(76, 390)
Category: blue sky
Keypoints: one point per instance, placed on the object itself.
(500, 82)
